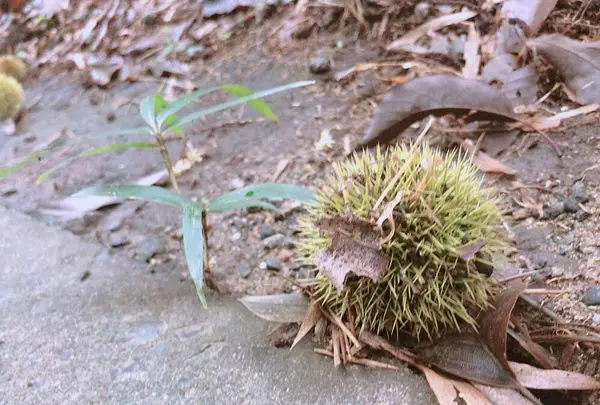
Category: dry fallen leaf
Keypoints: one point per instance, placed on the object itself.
(501, 396)
(282, 308)
(540, 379)
(434, 95)
(471, 54)
(485, 162)
(346, 255)
(493, 324)
(578, 63)
(468, 252)
(545, 123)
(541, 355)
(466, 356)
(412, 36)
(450, 392)
(310, 320)
(531, 12)
(519, 86)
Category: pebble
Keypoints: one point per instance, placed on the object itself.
(270, 263)
(579, 192)
(592, 296)
(596, 318)
(274, 241)
(554, 209)
(557, 271)
(266, 231)
(146, 249)
(96, 97)
(117, 239)
(422, 11)
(111, 116)
(581, 215)
(539, 261)
(237, 183)
(571, 205)
(319, 64)
(8, 191)
(245, 271)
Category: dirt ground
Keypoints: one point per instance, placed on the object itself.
(562, 247)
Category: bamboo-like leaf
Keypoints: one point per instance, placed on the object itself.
(96, 151)
(193, 245)
(135, 192)
(147, 111)
(159, 105)
(239, 203)
(258, 105)
(272, 191)
(219, 107)
(281, 308)
(181, 102)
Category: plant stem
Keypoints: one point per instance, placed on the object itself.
(207, 271)
(160, 140)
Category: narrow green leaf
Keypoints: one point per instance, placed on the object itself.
(180, 103)
(193, 245)
(198, 114)
(258, 105)
(96, 151)
(239, 203)
(147, 111)
(159, 105)
(269, 191)
(135, 192)
(12, 168)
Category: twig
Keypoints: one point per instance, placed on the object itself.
(548, 312)
(360, 361)
(521, 275)
(337, 321)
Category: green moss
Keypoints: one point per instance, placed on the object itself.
(11, 97)
(442, 207)
(13, 66)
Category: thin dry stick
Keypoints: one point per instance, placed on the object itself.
(526, 274)
(337, 321)
(362, 362)
(401, 171)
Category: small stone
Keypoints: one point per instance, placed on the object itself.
(521, 213)
(30, 138)
(245, 271)
(117, 239)
(422, 11)
(237, 183)
(592, 296)
(581, 215)
(236, 236)
(284, 255)
(8, 191)
(274, 241)
(146, 249)
(111, 116)
(320, 64)
(266, 231)
(539, 261)
(271, 263)
(571, 205)
(554, 209)
(596, 318)
(96, 97)
(557, 271)
(84, 276)
(579, 192)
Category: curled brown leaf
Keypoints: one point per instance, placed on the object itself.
(435, 95)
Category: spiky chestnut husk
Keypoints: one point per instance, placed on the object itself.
(443, 207)
(11, 97)
(13, 66)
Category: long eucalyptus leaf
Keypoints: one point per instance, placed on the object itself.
(96, 151)
(194, 116)
(239, 203)
(258, 105)
(268, 191)
(135, 192)
(193, 245)
(180, 103)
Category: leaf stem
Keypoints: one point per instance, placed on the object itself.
(164, 152)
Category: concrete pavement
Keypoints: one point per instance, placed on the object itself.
(126, 336)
